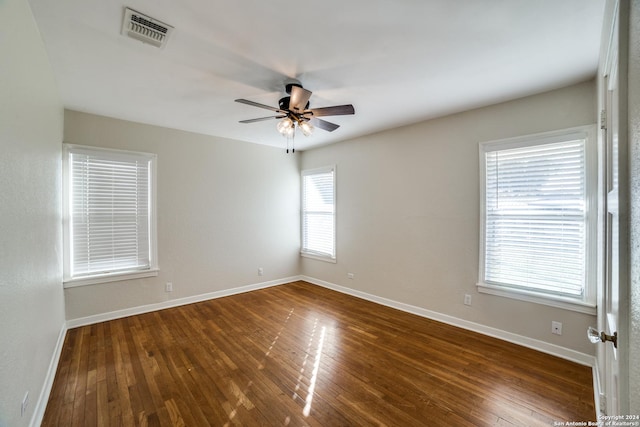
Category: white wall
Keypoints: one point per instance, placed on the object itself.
(634, 173)
(31, 297)
(408, 213)
(225, 208)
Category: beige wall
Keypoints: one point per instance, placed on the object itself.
(408, 213)
(31, 298)
(225, 208)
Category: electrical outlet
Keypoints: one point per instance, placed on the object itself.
(168, 287)
(350, 275)
(260, 271)
(25, 404)
(556, 328)
(467, 299)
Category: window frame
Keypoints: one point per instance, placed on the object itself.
(312, 254)
(91, 279)
(587, 303)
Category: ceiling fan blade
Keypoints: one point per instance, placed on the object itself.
(299, 99)
(257, 104)
(323, 124)
(338, 110)
(261, 119)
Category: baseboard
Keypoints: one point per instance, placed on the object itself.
(598, 392)
(103, 317)
(552, 349)
(43, 398)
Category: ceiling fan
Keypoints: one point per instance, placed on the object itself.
(293, 110)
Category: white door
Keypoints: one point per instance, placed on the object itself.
(610, 302)
(612, 239)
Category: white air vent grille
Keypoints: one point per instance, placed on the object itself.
(145, 28)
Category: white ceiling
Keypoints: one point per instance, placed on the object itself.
(396, 61)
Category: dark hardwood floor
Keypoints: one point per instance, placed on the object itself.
(300, 355)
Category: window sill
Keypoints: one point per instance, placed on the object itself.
(318, 257)
(559, 302)
(106, 278)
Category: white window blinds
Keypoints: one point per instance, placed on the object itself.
(535, 218)
(318, 212)
(109, 211)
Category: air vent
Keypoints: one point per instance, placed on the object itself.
(144, 28)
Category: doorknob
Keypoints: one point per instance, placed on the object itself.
(596, 337)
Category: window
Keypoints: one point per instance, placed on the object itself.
(538, 218)
(318, 213)
(109, 224)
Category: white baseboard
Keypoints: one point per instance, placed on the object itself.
(598, 392)
(103, 317)
(552, 349)
(43, 398)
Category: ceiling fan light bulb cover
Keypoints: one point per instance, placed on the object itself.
(307, 128)
(285, 126)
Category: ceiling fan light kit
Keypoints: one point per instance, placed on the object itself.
(286, 126)
(293, 111)
(306, 128)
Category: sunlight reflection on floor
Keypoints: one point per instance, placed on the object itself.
(241, 396)
(304, 361)
(314, 376)
(316, 367)
(275, 340)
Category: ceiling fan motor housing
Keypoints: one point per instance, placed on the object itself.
(284, 103)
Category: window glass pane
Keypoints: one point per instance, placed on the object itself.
(535, 218)
(318, 210)
(109, 212)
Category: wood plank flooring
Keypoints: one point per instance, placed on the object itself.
(302, 355)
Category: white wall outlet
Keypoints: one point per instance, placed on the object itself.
(168, 287)
(350, 275)
(556, 328)
(467, 299)
(260, 271)
(25, 404)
